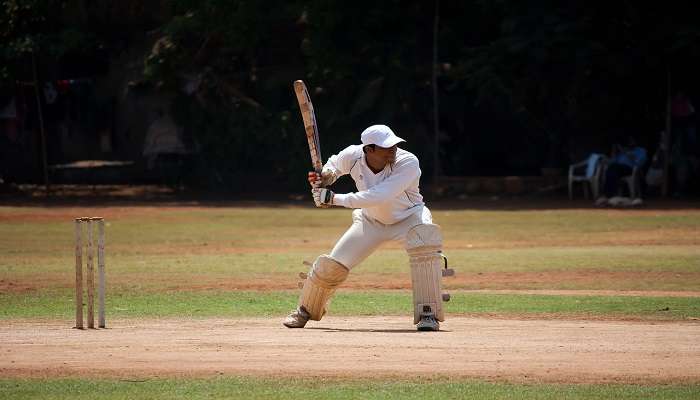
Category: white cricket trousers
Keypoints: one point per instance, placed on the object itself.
(366, 234)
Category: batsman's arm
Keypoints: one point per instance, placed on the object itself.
(405, 172)
(336, 166)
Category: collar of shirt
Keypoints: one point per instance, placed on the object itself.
(369, 175)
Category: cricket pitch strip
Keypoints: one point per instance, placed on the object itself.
(558, 351)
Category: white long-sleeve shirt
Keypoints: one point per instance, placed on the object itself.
(389, 196)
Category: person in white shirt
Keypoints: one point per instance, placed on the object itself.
(387, 206)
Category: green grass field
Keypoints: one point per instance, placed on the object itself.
(250, 388)
(243, 261)
(214, 303)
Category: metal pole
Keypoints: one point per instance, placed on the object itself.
(436, 109)
(667, 137)
(44, 162)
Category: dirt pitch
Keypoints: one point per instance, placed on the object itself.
(358, 347)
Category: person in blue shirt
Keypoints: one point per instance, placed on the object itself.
(624, 159)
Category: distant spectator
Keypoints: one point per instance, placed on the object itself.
(163, 138)
(654, 177)
(624, 159)
(685, 147)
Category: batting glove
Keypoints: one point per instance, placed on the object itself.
(322, 197)
(324, 179)
(315, 179)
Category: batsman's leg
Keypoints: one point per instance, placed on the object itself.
(325, 276)
(424, 247)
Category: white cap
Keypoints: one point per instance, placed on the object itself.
(381, 135)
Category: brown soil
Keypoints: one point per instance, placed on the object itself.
(629, 293)
(504, 283)
(516, 282)
(66, 214)
(358, 347)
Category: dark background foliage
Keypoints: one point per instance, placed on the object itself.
(522, 85)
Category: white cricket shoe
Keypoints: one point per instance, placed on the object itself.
(428, 323)
(297, 319)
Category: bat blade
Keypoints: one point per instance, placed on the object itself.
(310, 126)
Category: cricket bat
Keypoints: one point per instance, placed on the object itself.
(307, 114)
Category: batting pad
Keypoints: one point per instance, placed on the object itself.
(325, 276)
(424, 247)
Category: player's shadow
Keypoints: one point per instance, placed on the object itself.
(331, 330)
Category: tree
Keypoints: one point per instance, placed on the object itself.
(579, 69)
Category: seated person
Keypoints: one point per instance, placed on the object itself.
(623, 161)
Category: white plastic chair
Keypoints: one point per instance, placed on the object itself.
(633, 182)
(589, 177)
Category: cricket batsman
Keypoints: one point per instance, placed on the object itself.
(387, 206)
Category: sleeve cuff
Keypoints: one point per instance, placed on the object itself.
(340, 200)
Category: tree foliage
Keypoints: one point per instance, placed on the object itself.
(578, 69)
(35, 27)
(548, 78)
